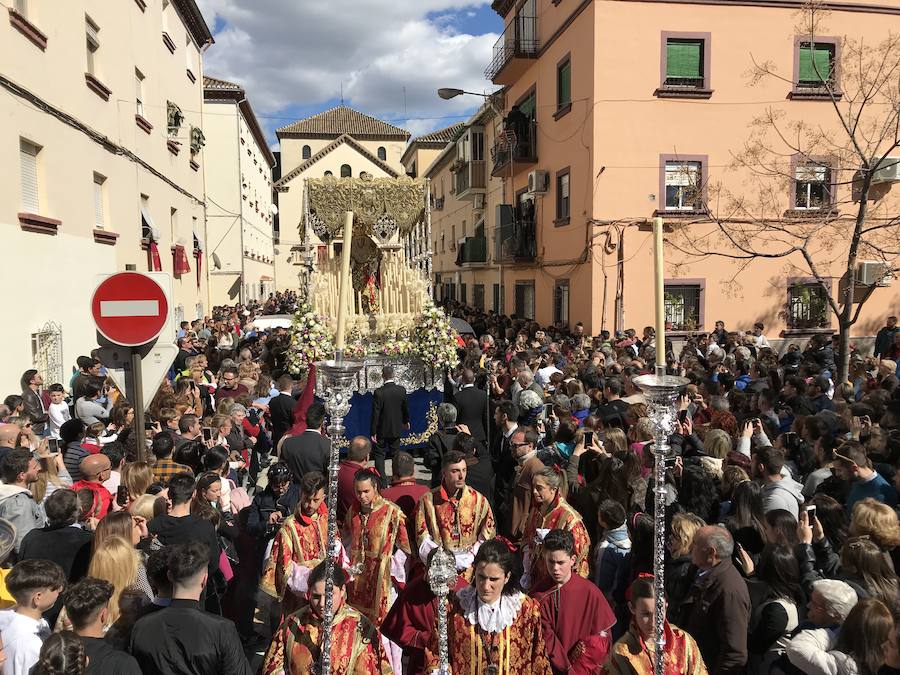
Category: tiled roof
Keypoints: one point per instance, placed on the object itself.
(343, 120)
(215, 83)
(346, 138)
(442, 136)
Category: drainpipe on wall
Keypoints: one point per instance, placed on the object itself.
(243, 281)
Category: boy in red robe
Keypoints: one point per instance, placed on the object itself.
(575, 616)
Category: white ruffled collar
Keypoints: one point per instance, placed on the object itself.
(491, 618)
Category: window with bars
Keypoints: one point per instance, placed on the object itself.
(28, 166)
(478, 296)
(93, 44)
(99, 211)
(307, 152)
(812, 186)
(564, 84)
(683, 186)
(382, 153)
(816, 64)
(561, 302)
(682, 306)
(525, 300)
(807, 306)
(498, 298)
(146, 220)
(685, 63)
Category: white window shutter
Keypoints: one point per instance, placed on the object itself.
(28, 163)
(98, 202)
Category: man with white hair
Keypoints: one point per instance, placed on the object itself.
(829, 605)
(716, 611)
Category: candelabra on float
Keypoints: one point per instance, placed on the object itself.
(339, 378)
(441, 572)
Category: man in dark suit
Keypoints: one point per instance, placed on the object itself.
(281, 408)
(390, 417)
(472, 407)
(310, 451)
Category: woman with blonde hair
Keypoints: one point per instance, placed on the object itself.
(148, 506)
(679, 575)
(137, 477)
(133, 529)
(52, 476)
(879, 522)
(115, 560)
(717, 443)
(549, 511)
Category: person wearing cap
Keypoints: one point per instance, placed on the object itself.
(17, 505)
(94, 470)
(853, 465)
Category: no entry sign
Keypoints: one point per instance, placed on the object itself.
(129, 309)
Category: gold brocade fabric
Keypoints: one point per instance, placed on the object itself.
(454, 524)
(516, 650)
(402, 199)
(561, 517)
(373, 540)
(632, 656)
(355, 646)
(295, 544)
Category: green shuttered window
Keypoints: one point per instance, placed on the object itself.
(564, 84)
(816, 62)
(684, 62)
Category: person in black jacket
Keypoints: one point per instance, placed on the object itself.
(182, 638)
(281, 408)
(180, 526)
(441, 441)
(87, 605)
(310, 451)
(34, 407)
(472, 407)
(390, 418)
(480, 473)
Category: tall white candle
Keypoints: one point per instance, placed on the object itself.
(659, 276)
(344, 289)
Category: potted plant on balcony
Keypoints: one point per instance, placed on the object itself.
(457, 165)
(198, 140)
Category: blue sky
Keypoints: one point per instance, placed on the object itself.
(390, 55)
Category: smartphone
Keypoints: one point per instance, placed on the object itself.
(122, 495)
(207, 433)
(670, 461)
(148, 425)
(53, 445)
(682, 416)
(588, 439)
(548, 409)
(811, 512)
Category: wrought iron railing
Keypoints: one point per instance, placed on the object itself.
(519, 39)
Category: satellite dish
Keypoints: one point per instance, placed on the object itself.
(216, 262)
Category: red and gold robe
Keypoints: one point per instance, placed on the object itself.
(373, 538)
(560, 517)
(355, 645)
(518, 649)
(632, 655)
(457, 525)
(300, 541)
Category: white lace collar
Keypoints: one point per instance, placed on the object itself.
(492, 618)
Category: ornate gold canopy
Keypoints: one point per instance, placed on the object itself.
(379, 204)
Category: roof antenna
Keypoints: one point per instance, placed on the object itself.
(405, 111)
(342, 92)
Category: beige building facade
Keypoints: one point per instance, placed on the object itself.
(622, 105)
(340, 142)
(103, 164)
(240, 209)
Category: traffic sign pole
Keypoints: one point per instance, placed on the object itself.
(137, 386)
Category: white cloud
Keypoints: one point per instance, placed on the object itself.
(299, 53)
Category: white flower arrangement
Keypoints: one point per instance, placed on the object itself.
(435, 340)
(311, 340)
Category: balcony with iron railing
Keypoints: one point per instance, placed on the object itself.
(517, 46)
(514, 151)
(515, 241)
(471, 178)
(473, 251)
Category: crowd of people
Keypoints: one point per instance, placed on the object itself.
(198, 544)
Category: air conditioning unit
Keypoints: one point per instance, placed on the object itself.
(888, 171)
(873, 274)
(479, 202)
(537, 181)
